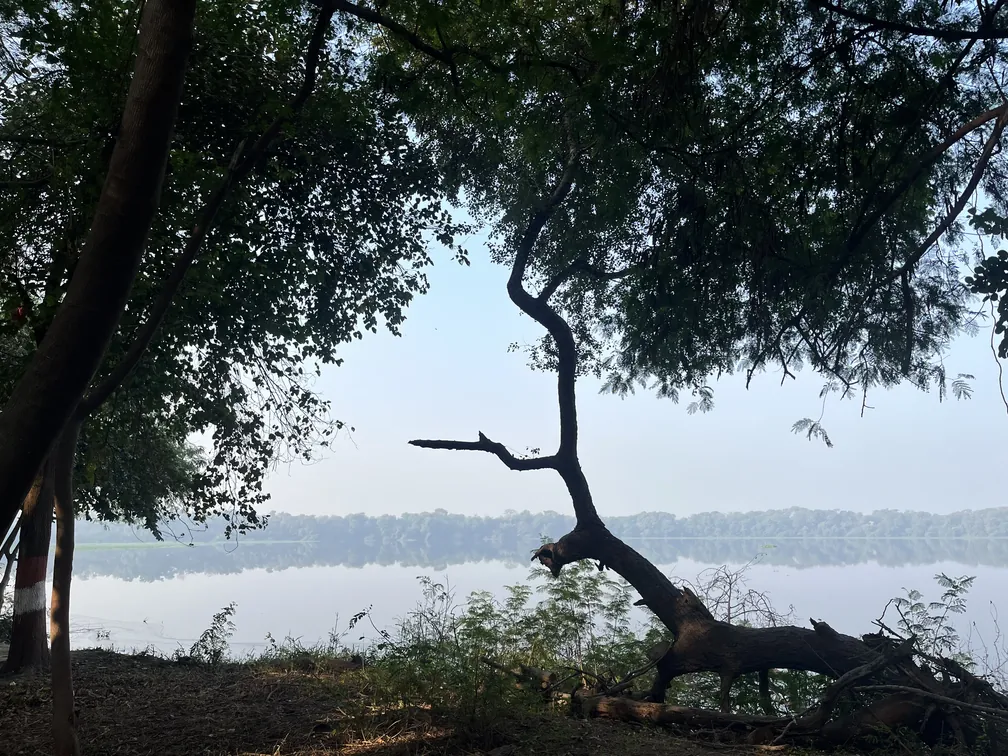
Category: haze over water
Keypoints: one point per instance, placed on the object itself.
(451, 375)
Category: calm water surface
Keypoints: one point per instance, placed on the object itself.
(308, 602)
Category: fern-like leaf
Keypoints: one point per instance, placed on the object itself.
(812, 429)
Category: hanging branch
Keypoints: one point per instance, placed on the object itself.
(957, 208)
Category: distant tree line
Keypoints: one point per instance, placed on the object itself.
(433, 540)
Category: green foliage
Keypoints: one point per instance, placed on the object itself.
(212, 645)
(754, 184)
(457, 655)
(326, 240)
(990, 281)
(474, 659)
(930, 621)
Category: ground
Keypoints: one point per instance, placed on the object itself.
(148, 705)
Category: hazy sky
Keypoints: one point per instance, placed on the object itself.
(450, 375)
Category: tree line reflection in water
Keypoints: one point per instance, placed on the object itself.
(793, 537)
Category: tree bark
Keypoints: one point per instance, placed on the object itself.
(29, 644)
(888, 714)
(55, 380)
(628, 710)
(65, 742)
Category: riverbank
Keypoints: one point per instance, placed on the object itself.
(141, 704)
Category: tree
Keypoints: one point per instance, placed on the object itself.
(688, 191)
(47, 394)
(320, 235)
(29, 643)
(252, 390)
(327, 239)
(126, 469)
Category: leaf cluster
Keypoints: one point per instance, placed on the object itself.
(755, 184)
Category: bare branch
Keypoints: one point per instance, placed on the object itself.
(581, 266)
(565, 460)
(985, 31)
(492, 447)
(241, 165)
(35, 183)
(853, 676)
(38, 141)
(989, 711)
(444, 54)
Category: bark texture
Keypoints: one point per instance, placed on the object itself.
(65, 742)
(29, 644)
(55, 380)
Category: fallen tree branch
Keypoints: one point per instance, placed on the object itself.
(828, 700)
(686, 717)
(937, 698)
(628, 680)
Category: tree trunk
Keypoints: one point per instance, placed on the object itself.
(702, 643)
(29, 644)
(65, 741)
(7, 554)
(644, 712)
(55, 380)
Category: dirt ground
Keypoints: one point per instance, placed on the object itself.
(147, 705)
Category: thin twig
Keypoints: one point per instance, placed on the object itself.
(997, 359)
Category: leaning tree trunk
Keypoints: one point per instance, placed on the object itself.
(29, 644)
(701, 643)
(55, 380)
(65, 740)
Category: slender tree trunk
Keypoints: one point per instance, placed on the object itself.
(65, 741)
(55, 380)
(29, 645)
(7, 553)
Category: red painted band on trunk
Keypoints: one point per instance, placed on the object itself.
(30, 571)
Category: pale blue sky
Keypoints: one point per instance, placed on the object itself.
(450, 375)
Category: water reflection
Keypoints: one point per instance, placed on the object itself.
(308, 602)
(148, 561)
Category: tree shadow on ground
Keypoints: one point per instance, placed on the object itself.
(140, 704)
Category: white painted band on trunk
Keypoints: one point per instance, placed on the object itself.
(30, 599)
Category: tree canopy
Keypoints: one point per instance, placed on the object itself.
(745, 185)
(324, 240)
